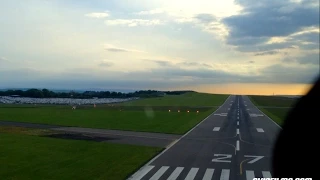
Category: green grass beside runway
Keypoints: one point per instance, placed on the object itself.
(150, 121)
(270, 106)
(147, 115)
(32, 157)
(187, 99)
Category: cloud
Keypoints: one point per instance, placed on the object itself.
(267, 53)
(151, 12)
(310, 59)
(251, 62)
(3, 59)
(133, 22)
(106, 64)
(97, 15)
(264, 20)
(205, 18)
(112, 48)
(279, 73)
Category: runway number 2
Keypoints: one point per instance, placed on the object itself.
(221, 157)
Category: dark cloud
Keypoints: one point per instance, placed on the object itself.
(264, 19)
(117, 50)
(308, 59)
(279, 73)
(205, 18)
(251, 62)
(267, 53)
(310, 37)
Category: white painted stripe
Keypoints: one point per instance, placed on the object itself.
(225, 174)
(139, 174)
(238, 131)
(260, 130)
(238, 117)
(250, 175)
(208, 174)
(266, 174)
(248, 109)
(245, 105)
(238, 146)
(159, 173)
(216, 129)
(238, 123)
(174, 175)
(192, 173)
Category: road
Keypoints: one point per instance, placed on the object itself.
(233, 143)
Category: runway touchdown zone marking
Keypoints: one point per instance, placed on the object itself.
(193, 172)
(260, 130)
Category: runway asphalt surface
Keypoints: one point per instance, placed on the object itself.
(233, 143)
(114, 136)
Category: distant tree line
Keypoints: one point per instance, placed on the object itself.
(45, 93)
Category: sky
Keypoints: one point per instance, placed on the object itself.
(229, 46)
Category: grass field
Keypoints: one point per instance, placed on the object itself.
(188, 99)
(275, 107)
(32, 157)
(143, 116)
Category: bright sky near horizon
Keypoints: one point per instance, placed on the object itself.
(229, 46)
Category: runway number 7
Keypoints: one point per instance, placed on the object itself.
(222, 157)
(256, 158)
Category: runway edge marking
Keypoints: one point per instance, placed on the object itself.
(264, 114)
(175, 142)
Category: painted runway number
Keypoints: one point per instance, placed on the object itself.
(221, 157)
(256, 158)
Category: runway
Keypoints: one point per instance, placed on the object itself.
(233, 143)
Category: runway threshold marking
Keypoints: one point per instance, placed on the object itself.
(238, 145)
(159, 173)
(175, 173)
(225, 174)
(260, 130)
(142, 173)
(216, 129)
(192, 173)
(250, 175)
(266, 174)
(208, 174)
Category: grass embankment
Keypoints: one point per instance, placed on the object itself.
(275, 107)
(151, 115)
(25, 156)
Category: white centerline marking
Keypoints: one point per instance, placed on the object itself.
(225, 174)
(238, 131)
(208, 175)
(159, 173)
(266, 174)
(260, 130)
(238, 123)
(238, 117)
(238, 146)
(216, 129)
(250, 175)
(142, 172)
(192, 173)
(174, 175)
